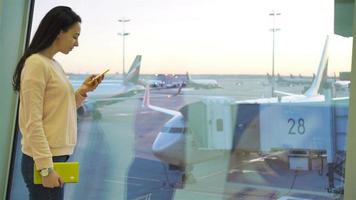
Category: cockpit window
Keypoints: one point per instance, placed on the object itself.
(176, 130)
(165, 129)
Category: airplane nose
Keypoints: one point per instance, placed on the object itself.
(170, 148)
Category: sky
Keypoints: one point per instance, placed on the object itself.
(203, 36)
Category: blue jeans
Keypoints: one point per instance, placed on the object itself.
(38, 192)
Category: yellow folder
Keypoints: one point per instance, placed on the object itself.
(69, 171)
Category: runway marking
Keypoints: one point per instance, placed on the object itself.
(210, 194)
(282, 191)
(133, 113)
(121, 182)
(146, 112)
(144, 197)
(262, 158)
(292, 198)
(278, 191)
(144, 179)
(245, 171)
(230, 188)
(123, 114)
(212, 174)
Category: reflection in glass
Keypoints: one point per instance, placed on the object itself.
(210, 128)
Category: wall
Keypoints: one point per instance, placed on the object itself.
(13, 23)
(350, 192)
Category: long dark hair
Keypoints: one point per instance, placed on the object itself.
(58, 19)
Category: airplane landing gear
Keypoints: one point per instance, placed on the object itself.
(187, 176)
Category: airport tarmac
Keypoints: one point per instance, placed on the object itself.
(116, 161)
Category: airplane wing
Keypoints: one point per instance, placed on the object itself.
(103, 100)
(146, 103)
(286, 93)
(341, 98)
(89, 107)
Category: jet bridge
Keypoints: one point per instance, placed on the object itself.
(303, 127)
(219, 124)
(211, 122)
(318, 126)
(306, 126)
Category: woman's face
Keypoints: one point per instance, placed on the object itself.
(69, 39)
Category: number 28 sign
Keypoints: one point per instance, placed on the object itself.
(295, 125)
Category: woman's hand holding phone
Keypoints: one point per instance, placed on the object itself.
(91, 82)
(101, 75)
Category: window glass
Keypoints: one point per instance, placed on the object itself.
(262, 86)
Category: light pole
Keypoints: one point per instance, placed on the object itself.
(123, 34)
(273, 29)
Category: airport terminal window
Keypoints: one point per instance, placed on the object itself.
(260, 69)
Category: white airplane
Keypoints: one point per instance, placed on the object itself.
(177, 81)
(291, 80)
(105, 95)
(342, 84)
(201, 83)
(182, 140)
(311, 95)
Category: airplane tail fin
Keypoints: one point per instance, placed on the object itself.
(269, 77)
(134, 72)
(279, 78)
(188, 76)
(321, 75)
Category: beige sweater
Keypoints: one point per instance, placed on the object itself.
(47, 113)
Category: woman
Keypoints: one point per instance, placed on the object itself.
(48, 102)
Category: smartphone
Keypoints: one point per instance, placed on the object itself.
(101, 74)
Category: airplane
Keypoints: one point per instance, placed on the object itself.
(291, 80)
(180, 80)
(201, 83)
(155, 83)
(200, 130)
(342, 84)
(104, 95)
(167, 81)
